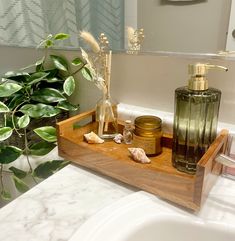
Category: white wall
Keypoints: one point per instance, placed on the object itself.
(150, 81)
(143, 80)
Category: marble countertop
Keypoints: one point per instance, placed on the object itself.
(54, 209)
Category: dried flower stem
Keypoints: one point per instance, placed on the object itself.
(90, 40)
(100, 68)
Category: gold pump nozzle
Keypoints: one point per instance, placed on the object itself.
(198, 74)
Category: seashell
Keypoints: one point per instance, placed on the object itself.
(139, 155)
(92, 138)
(118, 138)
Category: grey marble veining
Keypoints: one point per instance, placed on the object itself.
(54, 209)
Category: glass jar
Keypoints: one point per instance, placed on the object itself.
(147, 134)
(106, 116)
(127, 132)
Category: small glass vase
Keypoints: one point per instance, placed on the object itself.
(106, 116)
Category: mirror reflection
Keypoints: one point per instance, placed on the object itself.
(192, 26)
(184, 26)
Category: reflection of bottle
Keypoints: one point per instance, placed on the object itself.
(127, 132)
(195, 120)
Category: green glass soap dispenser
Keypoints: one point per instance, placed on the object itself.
(195, 119)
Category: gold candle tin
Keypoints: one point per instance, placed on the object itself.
(147, 134)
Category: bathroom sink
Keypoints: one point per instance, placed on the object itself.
(144, 217)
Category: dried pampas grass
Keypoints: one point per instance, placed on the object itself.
(88, 37)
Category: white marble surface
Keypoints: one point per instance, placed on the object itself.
(220, 204)
(55, 208)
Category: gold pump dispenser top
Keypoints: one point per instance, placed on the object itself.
(198, 74)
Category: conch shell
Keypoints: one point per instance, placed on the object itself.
(118, 138)
(139, 155)
(92, 138)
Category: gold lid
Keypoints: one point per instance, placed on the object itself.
(149, 122)
(198, 73)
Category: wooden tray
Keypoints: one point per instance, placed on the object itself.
(158, 177)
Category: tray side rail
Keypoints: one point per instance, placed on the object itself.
(71, 127)
(208, 169)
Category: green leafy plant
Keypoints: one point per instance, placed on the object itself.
(31, 101)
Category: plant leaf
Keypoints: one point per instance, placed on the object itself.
(49, 110)
(86, 73)
(65, 105)
(23, 121)
(10, 119)
(20, 185)
(48, 43)
(37, 77)
(10, 74)
(47, 95)
(3, 108)
(40, 61)
(53, 80)
(9, 154)
(59, 62)
(39, 110)
(33, 111)
(7, 89)
(17, 99)
(37, 64)
(61, 36)
(52, 72)
(77, 62)
(18, 173)
(47, 133)
(5, 132)
(46, 169)
(69, 85)
(41, 148)
(5, 195)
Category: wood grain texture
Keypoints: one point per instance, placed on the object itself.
(158, 177)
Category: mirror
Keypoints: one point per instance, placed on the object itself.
(184, 26)
(191, 26)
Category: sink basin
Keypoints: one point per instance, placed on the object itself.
(144, 217)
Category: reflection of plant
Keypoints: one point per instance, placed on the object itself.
(28, 99)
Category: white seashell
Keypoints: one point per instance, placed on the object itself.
(139, 155)
(92, 138)
(118, 138)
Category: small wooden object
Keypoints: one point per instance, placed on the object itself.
(158, 177)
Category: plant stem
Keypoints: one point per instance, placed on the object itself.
(27, 155)
(46, 54)
(27, 150)
(1, 178)
(4, 81)
(12, 118)
(35, 181)
(75, 72)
